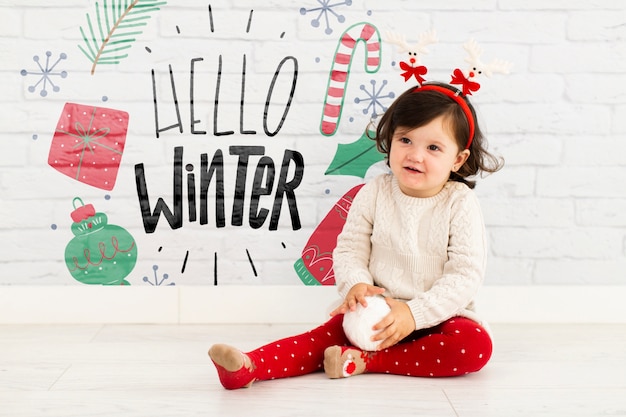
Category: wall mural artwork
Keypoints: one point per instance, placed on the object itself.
(230, 138)
(99, 253)
(361, 33)
(88, 144)
(114, 29)
(46, 74)
(233, 168)
(315, 267)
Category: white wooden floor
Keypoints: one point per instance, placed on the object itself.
(163, 370)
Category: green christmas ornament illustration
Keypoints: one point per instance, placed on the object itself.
(99, 253)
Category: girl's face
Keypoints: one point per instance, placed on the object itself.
(422, 159)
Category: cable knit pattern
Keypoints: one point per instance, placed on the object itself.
(429, 252)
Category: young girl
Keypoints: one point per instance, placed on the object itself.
(417, 237)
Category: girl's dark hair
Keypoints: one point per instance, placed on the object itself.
(414, 108)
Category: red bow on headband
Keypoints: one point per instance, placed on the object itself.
(416, 72)
(460, 79)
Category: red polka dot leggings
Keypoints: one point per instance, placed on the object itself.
(455, 347)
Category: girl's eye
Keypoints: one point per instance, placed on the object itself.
(405, 140)
(433, 147)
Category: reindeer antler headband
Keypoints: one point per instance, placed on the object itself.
(456, 96)
(465, 79)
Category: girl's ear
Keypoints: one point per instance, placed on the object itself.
(460, 159)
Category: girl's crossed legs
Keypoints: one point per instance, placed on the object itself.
(457, 346)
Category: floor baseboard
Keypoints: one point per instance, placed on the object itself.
(283, 304)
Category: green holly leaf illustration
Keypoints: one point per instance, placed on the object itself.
(355, 158)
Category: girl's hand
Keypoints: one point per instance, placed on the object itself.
(396, 325)
(356, 296)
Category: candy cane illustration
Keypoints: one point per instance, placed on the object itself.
(340, 70)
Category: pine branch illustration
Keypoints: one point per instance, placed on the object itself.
(114, 29)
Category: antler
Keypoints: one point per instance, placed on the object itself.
(398, 39)
(473, 51)
(426, 38)
(496, 66)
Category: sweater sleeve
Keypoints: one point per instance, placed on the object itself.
(463, 272)
(352, 253)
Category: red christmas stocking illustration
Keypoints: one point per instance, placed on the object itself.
(315, 267)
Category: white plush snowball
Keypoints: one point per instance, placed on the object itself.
(358, 324)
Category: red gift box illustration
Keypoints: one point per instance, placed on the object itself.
(88, 144)
(315, 266)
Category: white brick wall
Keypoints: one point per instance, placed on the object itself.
(556, 214)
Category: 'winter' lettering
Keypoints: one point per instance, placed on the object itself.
(263, 184)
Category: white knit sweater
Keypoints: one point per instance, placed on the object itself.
(428, 252)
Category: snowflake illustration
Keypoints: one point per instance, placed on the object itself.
(326, 9)
(156, 278)
(45, 74)
(373, 98)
